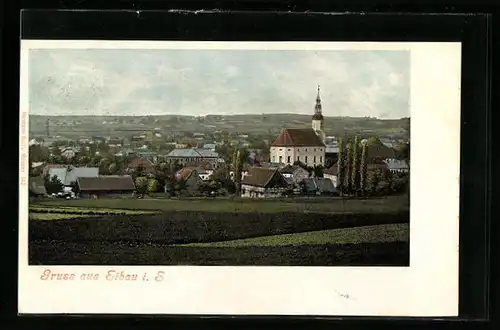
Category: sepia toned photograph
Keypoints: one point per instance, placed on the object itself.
(219, 157)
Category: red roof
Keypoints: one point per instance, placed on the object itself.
(298, 138)
(140, 162)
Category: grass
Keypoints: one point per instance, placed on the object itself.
(324, 205)
(356, 235)
(55, 216)
(184, 227)
(395, 254)
(39, 208)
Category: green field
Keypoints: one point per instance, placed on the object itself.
(56, 216)
(81, 210)
(356, 235)
(325, 205)
(315, 232)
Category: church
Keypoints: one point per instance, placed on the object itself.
(304, 145)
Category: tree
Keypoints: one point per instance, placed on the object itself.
(153, 186)
(355, 166)
(52, 184)
(318, 171)
(373, 181)
(112, 168)
(74, 187)
(363, 170)
(55, 151)
(341, 167)
(221, 174)
(38, 153)
(403, 152)
(179, 186)
(348, 188)
(141, 185)
(238, 168)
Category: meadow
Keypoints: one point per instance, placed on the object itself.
(316, 232)
(314, 204)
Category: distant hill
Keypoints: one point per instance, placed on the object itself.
(261, 124)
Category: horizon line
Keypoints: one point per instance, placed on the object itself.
(211, 115)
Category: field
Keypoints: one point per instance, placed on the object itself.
(317, 232)
(387, 204)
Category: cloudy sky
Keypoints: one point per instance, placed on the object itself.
(200, 82)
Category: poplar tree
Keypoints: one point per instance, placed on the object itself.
(363, 169)
(238, 167)
(349, 168)
(341, 167)
(355, 166)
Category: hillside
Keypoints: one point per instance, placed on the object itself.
(265, 124)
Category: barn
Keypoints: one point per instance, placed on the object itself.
(106, 186)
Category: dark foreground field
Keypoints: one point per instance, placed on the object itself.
(142, 253)
(224, 238)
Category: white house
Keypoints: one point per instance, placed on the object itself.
(331, 173)
(397, 166)
(68, 152)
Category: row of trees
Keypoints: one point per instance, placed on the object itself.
(354, 179)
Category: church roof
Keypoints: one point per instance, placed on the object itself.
(298, 138)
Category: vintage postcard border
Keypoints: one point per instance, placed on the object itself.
(429, 287)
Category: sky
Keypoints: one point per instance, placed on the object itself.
(355, 83)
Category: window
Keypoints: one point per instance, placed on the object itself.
(288, 160)
(281, 159)
(314, 160)
(321, 149)
(298, 158)
(306, 150)
(321, 159)
(281, 149)
(298, 150)
(274, 159)
(288, 149)
(314, 149)
(306, 159)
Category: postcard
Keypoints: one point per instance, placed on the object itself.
(239, 178)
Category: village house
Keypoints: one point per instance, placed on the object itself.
(69, 174)
(194, 155)
(303, 145)
(397, 166)
(244, 171)
(35, 141)
(319, 186)
(191, 178)
(209, 146)
(295, 173)
(378, 152)
(106, 186)
(148, 155)
(331, 174)
(140, 163)
(69, 152)
(263, 182)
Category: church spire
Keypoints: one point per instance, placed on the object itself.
(318, 108)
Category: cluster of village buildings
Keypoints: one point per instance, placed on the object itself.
(283, 169)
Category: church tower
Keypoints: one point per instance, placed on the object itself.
(317, 119)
